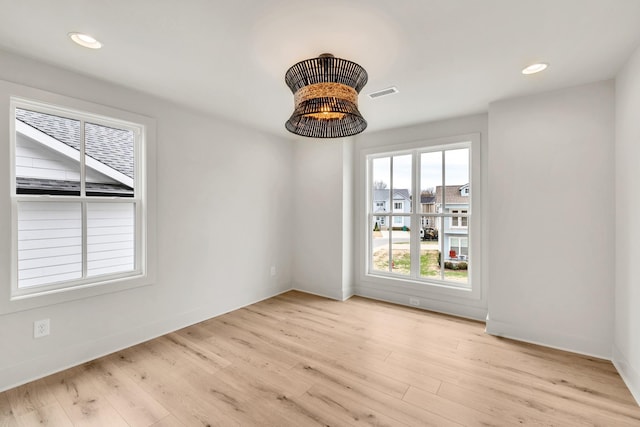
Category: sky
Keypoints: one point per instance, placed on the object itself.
(456, 169)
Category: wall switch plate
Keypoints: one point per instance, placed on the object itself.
(41, 328)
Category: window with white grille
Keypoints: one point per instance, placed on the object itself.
(77, 198)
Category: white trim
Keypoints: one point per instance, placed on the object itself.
(17, 292)
(629, 375)
(547, 338)
(427, 302)
(143, 127)
(452, 292)
(340, 297)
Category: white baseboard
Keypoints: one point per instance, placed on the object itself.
(459, 310)
(549, 339)
(319, 294)
(42, 366)
(629, 374)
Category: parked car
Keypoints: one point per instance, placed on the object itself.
(428, 233)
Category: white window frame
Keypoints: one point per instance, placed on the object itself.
(13, 298)
(380, 283)
(398, 206)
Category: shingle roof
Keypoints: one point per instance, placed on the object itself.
(452, 195)
(59, 187)
(383, 194)
(425, 199)
(402, 192)
(113, 147)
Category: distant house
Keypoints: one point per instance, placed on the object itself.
(456, 228)
(427, 206)
(401, 204)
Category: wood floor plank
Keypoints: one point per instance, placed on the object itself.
(133, 403)
(397, 409)
(82, 401)
(49, 416)
(7, 418)
(346, 409)
(29, 397)
(455, 410)
(169, 421)
(168, 382)
(303, 360)
(532, 407)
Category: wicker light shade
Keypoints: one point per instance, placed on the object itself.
(326, 97)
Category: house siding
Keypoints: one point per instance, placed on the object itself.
(33, 160)
(399, 196)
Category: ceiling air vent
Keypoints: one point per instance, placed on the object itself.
(384, 92)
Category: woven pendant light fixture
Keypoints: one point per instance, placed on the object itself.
(325, 93)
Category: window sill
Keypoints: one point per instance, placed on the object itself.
(15, 303)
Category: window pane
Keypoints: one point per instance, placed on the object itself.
(402, 180)
(457, 258)
(440, 215)
(49, 243)
(456, 176)
(110, 238)
(109, 161)
(381, 184)
(430, 249)
(400, 247)
(47, 154)
(379, 244)
(430, 181)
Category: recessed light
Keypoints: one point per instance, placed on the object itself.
(85, 40)
(535, 68)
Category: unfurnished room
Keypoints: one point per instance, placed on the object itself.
(331, 213)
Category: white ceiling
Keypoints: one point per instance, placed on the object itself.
(228, 58)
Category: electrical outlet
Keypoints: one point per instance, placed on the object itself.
(414, 301)
(41, 328)
(273, 271)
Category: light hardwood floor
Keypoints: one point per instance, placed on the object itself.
(299, 360)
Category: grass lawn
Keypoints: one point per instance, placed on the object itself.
(428, 264)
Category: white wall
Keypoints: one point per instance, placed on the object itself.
(627, 293)
(551, 175)
(320, 230)
(431, 298)
(224, 214)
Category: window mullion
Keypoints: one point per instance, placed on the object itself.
(390, 225)
(82, 159)
(83, 202)
(441, 237)
(415, 218)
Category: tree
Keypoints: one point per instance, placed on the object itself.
(431, 192)
(379, 185)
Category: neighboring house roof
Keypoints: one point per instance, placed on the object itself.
(69, 188)
(452, 194)
(383, 194)
(112, 147)
(427, 200)
(401, 193)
